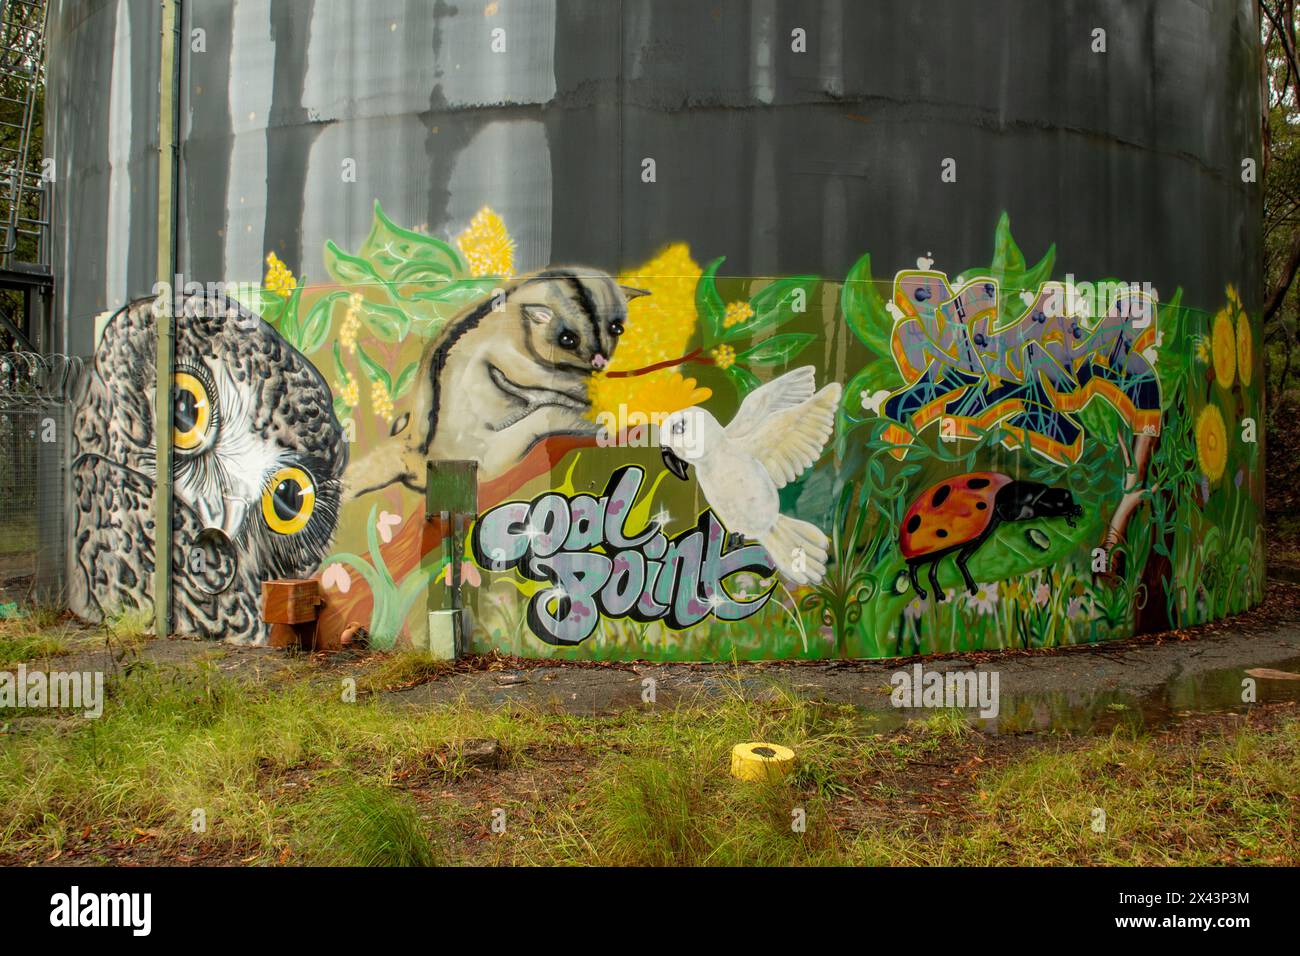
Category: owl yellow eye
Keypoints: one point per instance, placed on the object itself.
(192, 412)
(288, 500)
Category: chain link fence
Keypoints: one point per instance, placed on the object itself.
(33, 479)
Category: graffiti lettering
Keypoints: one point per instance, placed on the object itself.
(644, 576)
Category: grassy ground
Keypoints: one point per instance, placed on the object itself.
(286, 770)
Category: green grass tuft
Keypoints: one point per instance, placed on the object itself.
(354, 824)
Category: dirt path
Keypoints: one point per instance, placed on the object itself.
(1074, 689)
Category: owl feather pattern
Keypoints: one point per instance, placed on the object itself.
(258, 454)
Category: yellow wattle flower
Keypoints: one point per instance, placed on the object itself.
(381, 401)
(1211, 442)
(351, 324)
(724, 356)
(736, 313)
(487, 246)
(660, 327)
(350, 393)
(278, 277)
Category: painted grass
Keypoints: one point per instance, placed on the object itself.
(287, 771)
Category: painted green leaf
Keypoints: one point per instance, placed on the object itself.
(778, 350)
(374, 371)
(390, 246)
(774, 304)
(876, 376)
(709, 304)
(1008, 553)
(338, 364)
(743, 379)
(456, 293)
(350, 270)
(289, 326)
(1042, 272)
(1008, 260)
(864, 309)
(422, 273)
(271, 307)
(316, 327)
(387, 322)
(404, 380)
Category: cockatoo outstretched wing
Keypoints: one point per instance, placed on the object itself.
(787, 391)
(791, 434)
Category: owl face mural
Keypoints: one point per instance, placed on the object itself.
(258, 461)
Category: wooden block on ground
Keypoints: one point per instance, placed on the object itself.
(290, 602)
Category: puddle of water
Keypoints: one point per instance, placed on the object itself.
(1080, 712)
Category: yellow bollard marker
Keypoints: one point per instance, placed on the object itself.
(760, 761)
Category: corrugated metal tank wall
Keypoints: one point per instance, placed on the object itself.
(1129, 160)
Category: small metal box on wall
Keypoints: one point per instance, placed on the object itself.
(451, 500)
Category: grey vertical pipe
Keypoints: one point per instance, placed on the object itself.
(169, 85)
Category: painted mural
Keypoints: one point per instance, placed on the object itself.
(677, 463)
(259, 462)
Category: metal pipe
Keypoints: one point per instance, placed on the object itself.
(168, 156)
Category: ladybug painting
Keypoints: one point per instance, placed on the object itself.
(960, 513)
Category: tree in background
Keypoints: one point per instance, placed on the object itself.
(20, 65)
(1281, 132)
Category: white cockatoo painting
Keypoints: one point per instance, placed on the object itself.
(778, 433)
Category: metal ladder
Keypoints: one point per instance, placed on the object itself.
(24, 206)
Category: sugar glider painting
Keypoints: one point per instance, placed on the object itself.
(509, 372)
(259, 460)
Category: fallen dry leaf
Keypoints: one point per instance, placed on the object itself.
(1268, 673)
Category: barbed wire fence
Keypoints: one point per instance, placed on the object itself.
(34, 426)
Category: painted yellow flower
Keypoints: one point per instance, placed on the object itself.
(278, 277)
(487, 246)
(351, 324)
(736, 313)
(350, 393)
(1245, 350)
(381, 401)
(661, 393)
(1211, 442)
(724, 356)
(1224, 349)
(660, 327)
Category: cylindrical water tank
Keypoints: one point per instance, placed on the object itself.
(1047, 423)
